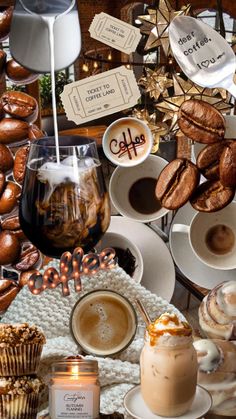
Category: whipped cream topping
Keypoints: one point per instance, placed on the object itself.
(168, 325)
(209, 356)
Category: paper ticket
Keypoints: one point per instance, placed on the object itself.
(115, 33)
(97, 96)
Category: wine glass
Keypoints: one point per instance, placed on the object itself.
(64, 204)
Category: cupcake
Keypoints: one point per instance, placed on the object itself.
(19, 397)
(20, 349)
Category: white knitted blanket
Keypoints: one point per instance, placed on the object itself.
(51, 312)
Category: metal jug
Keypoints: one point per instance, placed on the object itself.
(29, 35)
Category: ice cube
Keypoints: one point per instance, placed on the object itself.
(70, 161)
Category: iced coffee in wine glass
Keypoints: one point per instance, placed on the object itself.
(64, 204)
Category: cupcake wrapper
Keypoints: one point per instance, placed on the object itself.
(19, 407)
(20, 360)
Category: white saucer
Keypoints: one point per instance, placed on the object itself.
(136, 407)
(159, 272)
(187, 261)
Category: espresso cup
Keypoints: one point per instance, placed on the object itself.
(212, 237)
(127, 142)
(103, 323)
(132, 190)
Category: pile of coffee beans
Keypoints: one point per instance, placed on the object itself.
(179, 180)
(18, 114)
(14, 71)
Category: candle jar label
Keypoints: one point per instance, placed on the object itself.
(73, 404)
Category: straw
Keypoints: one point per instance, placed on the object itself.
(143, 312)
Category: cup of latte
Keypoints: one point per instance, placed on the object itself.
(212, 237)
(127, 142)
(103, 323)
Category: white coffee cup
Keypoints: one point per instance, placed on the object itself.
(208, 240)
(119, 241)
(127, 142)
(122, 181)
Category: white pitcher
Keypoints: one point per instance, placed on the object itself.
(29, 35)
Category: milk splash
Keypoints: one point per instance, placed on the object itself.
(50, 19)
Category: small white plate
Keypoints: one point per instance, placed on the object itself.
(187, 261)
(136, 407)
(158, 267)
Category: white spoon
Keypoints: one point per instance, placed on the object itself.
(204, 56)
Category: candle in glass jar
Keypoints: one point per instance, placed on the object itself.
(74, 390)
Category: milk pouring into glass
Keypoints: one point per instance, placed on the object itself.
(45, 37)
(63, 196)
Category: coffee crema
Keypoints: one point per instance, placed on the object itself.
(127, 141)
(142, 196)
(103, 322)
(220, 239)
(128, 145)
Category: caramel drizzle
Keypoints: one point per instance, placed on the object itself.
(165, 319)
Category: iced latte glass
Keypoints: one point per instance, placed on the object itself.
(168, 367)
(64, 204)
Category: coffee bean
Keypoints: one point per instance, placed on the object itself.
(201, 122)
(18, 74)
(20, 164)
(3, 57)
(211, 196)
(8, 291)
(228, 165)
(27, 259)
(20, 105)
(176, 183)
(9, 248)
(5, 21)
(2, 182)
(25, 276)
(13, 130)
(9, 197)
(6, 159)
(11, 222)
(208, 160)
(35, 132)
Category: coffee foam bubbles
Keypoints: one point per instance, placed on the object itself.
(103, 323)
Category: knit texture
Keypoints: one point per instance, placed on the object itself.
(51, 312)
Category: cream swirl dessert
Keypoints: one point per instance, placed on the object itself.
(217, 373)
(168, 366)
(217, 312)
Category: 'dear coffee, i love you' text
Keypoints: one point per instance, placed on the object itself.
(127, 142)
